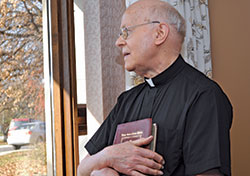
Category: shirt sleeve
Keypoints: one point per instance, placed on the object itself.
(206, 143)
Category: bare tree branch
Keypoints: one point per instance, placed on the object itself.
(16, 35)
(31, 16)
(21, 59)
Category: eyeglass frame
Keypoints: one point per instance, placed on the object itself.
(125, 30)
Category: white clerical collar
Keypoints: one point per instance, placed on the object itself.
(150, 82)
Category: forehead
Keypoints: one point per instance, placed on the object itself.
(128, 19)
(133, 16)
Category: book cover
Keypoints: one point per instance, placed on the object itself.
(131, 131)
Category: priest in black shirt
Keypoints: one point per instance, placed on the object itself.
(193, 114)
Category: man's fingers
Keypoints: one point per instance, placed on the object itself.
(152, 164)
(146, 152)
(136, 173)
(148, 170)
(153, 155)
(142, 141)
(132, 155)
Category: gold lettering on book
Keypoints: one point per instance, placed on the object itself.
(131, 136)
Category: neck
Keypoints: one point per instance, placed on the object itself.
(159, 65)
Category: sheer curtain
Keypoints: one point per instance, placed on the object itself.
(196, 47)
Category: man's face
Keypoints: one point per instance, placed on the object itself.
(137, 48)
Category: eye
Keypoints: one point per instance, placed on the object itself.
(124, 33)
(121, 33)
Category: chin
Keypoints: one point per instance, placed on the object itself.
(129, 69)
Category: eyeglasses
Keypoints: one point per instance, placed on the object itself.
(125, 30)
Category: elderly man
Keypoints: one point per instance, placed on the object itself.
(193, 114)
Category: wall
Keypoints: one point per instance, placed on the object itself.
(105, 76)
(230, 36)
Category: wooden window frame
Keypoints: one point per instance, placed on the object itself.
(64, 92)
(64, 87)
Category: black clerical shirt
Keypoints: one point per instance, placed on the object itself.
(193, 115)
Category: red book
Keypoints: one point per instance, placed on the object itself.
(131, 131)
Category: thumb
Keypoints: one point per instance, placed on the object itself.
(143, 141)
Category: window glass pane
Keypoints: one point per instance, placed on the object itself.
(80, 53)
(80, 76)
(22, 102)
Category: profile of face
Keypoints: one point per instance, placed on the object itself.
(150, 38)
(136, 42)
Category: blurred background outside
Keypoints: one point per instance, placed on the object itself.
(22, 119)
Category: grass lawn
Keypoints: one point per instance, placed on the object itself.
(24, 163)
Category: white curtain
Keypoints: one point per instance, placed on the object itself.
(196, 47)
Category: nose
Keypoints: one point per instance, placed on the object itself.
(120, 42)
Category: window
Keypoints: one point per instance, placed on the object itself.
(22, 89)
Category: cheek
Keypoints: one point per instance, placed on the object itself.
(140, 44)
(145, 47)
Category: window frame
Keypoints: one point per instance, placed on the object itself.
(63, 87)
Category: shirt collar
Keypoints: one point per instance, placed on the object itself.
(150, 82)
(167, 74)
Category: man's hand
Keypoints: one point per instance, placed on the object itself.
(104, 172)
(131, 159)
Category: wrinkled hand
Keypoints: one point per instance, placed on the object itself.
(104, 172)
(131, 159)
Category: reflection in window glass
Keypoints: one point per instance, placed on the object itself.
(21, 88)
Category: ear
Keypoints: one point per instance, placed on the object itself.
(162, 33)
